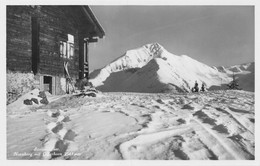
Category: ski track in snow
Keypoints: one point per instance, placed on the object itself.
(215, 125)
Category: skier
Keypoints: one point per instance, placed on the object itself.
(202, 89)
(196, 87)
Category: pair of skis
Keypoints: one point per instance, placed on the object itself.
(68, 78)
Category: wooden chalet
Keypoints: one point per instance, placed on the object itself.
(44, 40)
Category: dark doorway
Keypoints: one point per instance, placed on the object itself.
(47, 83)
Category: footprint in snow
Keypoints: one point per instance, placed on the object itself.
(160, 101)
(56, 142)
(187, 106)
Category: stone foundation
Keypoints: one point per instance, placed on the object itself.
(20, 83)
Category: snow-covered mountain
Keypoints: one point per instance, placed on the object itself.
(153, 69)
(244, 73)
(242, 68)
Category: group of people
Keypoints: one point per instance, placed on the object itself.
(196, 87)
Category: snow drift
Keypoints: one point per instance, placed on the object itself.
(153, 69)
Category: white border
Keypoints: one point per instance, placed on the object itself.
(3, 144)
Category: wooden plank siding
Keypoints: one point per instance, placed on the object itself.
(18, 25)
(55, 23)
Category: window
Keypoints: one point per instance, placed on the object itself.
(67, 47)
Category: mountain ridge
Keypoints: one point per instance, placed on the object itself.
(153, 69)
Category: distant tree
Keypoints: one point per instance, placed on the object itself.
(234, 83)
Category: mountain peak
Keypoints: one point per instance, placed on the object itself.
(132, 59)
(154, 49)
(136, 58)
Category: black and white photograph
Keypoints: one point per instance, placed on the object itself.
(138, 82)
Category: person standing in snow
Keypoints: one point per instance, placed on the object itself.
(202, 89)
(196, 87)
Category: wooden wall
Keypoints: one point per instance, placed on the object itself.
(56, 22)
(18, 25)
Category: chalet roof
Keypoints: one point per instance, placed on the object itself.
(94, 21)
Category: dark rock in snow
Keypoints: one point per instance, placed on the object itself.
(42, 94)
(28, 102)
(91, 94)
(55, 114)
(35, 100)
(44, 98)
(44, 101)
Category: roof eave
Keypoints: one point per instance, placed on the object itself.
(89, 13)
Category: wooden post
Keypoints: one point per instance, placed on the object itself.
(86, 60)
(35, 45)
(81, 56)
(86, 66)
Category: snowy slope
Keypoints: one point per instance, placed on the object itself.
(217, 125)
(152, 68)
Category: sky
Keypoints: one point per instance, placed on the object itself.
(214, 35)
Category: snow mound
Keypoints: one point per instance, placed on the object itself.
(36, 98)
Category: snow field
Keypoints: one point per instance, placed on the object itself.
(215, 125)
